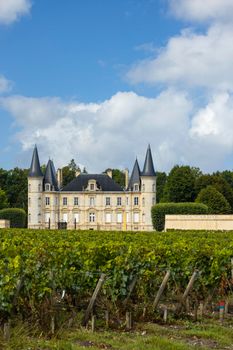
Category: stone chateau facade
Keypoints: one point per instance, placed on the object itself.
(91, 201)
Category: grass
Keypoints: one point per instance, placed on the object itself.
(182, 335)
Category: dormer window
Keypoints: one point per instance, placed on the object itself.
(91, 185)
(47, 187)
(136, 187)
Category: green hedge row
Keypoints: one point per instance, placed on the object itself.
(16, 216)
(159, 211)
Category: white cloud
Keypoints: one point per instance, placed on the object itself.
(114, 132)
(191, 60)
(202, 10)
(215, 122)
(108, 134)
(5, 85)
(12, 10)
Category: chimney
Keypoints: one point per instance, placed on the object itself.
(78, 172)
(126, 178)
(109, 172)
(59, 178)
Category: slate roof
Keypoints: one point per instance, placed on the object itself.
(135, 176)
(148, 169)
(103, 181)
(50, 176)
(35, 170)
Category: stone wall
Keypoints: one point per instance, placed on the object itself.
(4, 223)
(199, 222)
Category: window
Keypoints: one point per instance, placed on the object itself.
(47, 217)
(143, 188)
(91, 217)
(136, 187)
(76, 217)
(127, 200)
(136, 217)
(39, 188)
(108, 217)
(118, 200)
(65, 217)
(64, 200)
(75, 200)
(135, 200)
(47, 200)
(39, 218)
(47, 187)
(153, 188)
(29, 217)
(143, 202)
(127, 217)
(29, 201)
(29, 187)
(92, 187)
(108, 202)
(56, 200)
(92, 201)
(119, 218)
(153, 201)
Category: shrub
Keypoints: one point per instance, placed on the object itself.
(159, 211)
(16, 216)
(215, 201)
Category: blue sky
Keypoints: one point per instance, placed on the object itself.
(97, 80)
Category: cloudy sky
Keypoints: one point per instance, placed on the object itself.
(97, 80)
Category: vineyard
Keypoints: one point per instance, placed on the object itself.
(43, 273)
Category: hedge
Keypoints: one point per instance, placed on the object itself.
(159, 211)
(16, 216)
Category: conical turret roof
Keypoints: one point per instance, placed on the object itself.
(50, 175)
(135, 176)
(35, 170)
(148, 169)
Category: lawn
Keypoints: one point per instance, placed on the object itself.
(181, 335)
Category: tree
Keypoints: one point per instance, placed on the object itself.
(214, 200)
(72, 165)
(3, 179)
(180, 185)
(3, 199)
(161, 179)
(69, 172)
(217, 181)
(119, 177)
(17, 188)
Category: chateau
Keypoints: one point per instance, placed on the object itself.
(91, 201)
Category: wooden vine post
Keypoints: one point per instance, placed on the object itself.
(131, 288)
(93, 299)
(187, 291)
(161, 289)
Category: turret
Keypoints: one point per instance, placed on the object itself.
(50, 179)
(148, 189)
(50, 196)
(135, 181)
(35, 189)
